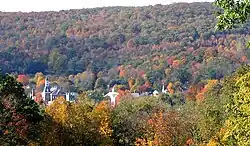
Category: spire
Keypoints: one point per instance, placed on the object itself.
(32, 94)
(163, 89)
(46, 80)
(67, 96)
(113, 89)
(47, 85)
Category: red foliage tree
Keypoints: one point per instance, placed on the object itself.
(23, 79)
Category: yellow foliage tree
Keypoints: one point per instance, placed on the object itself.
(58, 110)
(54, 126)
(102, 114)
(166, 128)
(170, 88)
(80, 123)
(131, 83)
(38, 77)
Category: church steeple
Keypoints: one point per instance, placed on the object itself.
(164, 90)
(47, 85)
(46, 94)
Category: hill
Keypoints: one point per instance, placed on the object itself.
(161, 43)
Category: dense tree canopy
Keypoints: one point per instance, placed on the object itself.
(134, 49)
(19, 115)
(235, 12)
(103, 38)
(151, 45)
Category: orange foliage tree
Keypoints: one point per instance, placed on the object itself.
(165, 128)
(147, 84)
(193, 91)
(210, 83)
(122, 73)
(130, 44)
(38, 99)
(23, 79)
(40, 83)
(244, 58)
(38, 78)
(103, 114)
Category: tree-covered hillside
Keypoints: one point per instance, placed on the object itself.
(133, 50)
(168, 43)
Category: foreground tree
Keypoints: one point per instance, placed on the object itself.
(166, 128)
(19, 115)
(237, 126)
(130, 117)
(80, 123)
(230, 113)
(234, 12)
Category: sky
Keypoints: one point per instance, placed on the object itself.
(56, 5)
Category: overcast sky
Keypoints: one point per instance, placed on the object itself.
(47, 5)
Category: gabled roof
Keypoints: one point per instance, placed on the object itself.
(57, 92)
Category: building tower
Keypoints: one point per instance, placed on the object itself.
(164, 91)
(46, 91)
(67, 96)
(33, 94)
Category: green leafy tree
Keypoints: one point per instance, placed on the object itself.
(94, 95)
(234, 12)
(237, 125)
(100, 83)
(211, 113)
(130, 117)
(57, 61)
(183, 75)
(19, 115)
(220, 118)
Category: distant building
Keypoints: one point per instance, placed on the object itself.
(50, 94)
(156, 93)
(164, 91)
(33, 94)
(135, 94)
(114, 95)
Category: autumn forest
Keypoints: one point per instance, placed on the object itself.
(131, 50)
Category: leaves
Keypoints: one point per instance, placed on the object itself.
(19, 115)
(165, 129)
(237, 124)
(23, 79)
(235, 12)
(78, 123)
(129, 118)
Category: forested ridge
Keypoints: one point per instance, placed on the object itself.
(145, 38)
(140, 48)
(133, 49)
